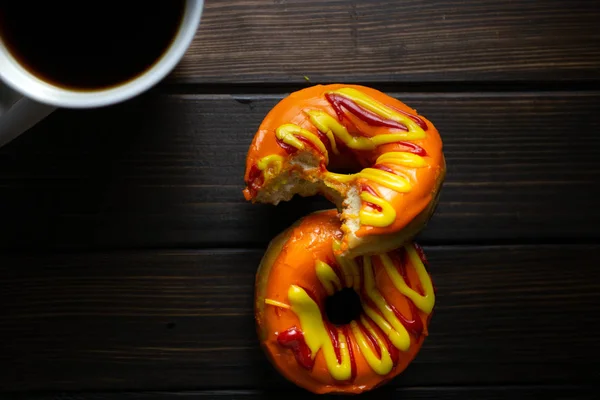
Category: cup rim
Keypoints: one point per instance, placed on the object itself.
(15, 76)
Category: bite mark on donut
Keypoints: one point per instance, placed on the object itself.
(304, 172)
(298, 176)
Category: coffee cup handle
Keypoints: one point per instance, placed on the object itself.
(18, 113)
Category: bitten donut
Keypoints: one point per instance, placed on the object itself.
(300, 276)
(394, 155)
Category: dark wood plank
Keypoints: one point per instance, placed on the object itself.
(244, 41)
(183, 319)
(167, 170)
(438, 393)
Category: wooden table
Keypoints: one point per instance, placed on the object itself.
(129, 253)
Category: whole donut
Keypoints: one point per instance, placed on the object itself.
(394, 155)
(297, 275)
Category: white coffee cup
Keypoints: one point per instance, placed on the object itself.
(26, 99)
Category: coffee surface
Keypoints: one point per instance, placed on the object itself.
(87, 46)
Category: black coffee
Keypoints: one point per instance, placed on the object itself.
(85, 45)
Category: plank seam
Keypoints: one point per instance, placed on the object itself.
(243, 250)
(483, 87)
(254, 391)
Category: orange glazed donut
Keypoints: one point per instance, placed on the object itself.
(396, 157)
(298, 278)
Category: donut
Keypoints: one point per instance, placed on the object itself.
(383, 330)
(374, 157)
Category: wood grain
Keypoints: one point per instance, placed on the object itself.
(167, 170)
(158, 320)
(437, 393)
(91, 308)
(282, 41)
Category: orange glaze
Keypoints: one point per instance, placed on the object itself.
(291, 110)
(290, 261)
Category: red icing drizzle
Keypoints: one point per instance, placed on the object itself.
(410, 148)
(374, 206)
(288, 148)
(332, 331)
(255, 180)
(308, 143)
(384, 168)
(338, 102)
(423, 258)
(369, 189)
(335, 105)
(325, 140)
(353, 368)
(293, 339)
(394, 353)
(370, 338)
(313, 296)
(415, 118)
(402, 257)
(421, 254)
(415, 325)
(338, 272)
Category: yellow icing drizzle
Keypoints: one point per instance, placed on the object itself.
(386, 179)
(270, 165)
(402, 158)
(287, 133)
(314, 329)
(414, 130)
(424, 303)
(386, 217)
(327, 277)
(327, 124)
(333, 129)
(398, 340)
(381, 366)
(402, 341)
(316, 336)
(332, 142)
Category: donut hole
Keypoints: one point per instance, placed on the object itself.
(343, 307)
(344, 169)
